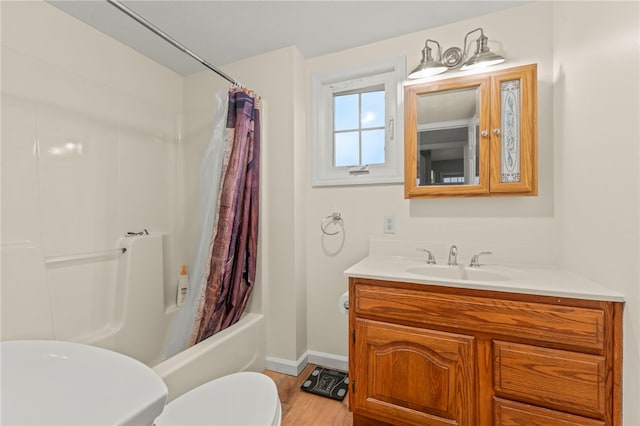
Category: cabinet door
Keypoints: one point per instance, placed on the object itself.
(413, 376)
(513, 131)
(444, 155)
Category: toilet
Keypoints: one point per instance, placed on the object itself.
(77, 384)
(58, 383)
(245, 398)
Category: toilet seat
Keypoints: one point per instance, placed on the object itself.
(245, 398)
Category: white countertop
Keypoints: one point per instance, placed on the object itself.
(528, 279)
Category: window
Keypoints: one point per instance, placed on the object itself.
(358, 125)
(453, 179)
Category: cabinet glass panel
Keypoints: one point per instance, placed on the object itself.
(510, 131)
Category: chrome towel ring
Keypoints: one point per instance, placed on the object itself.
(334, 218)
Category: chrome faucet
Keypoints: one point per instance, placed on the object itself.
(453, 256)
(475, 263)
(430, 259)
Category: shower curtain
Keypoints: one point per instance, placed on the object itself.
(234, 249)
(224, 269)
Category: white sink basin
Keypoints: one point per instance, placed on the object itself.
(457, 273)
(48, 382)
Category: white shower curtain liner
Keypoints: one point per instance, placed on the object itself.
(208, 190)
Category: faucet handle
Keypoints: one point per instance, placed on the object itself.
(453, 256)
(430, 259)
(475, 263)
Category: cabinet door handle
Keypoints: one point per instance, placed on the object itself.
(496, 132)
(484, 133)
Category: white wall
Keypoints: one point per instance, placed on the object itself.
(588, 94)
(479, 222)
(89, 132)
(597, 138)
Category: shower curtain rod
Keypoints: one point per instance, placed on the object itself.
(170, 40)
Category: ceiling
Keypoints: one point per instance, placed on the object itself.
(222, 32)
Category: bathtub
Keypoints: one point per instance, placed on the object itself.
(120, 302)
(234, 349)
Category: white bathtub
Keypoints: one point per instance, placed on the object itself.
(236, 348)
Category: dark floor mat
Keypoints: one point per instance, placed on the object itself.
(327, 382)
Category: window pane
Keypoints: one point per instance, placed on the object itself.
(345, 112)
(345, 151)
(372, 114)
(373, 146)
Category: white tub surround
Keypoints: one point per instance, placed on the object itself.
(137, 322)
(25, 308)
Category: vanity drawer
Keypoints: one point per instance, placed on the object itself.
(565, 326)
(510, 413)
(551, 378)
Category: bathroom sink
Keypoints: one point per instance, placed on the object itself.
(457, 273)
(64, 383)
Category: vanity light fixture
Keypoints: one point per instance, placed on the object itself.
(453, 57)
(429, 66)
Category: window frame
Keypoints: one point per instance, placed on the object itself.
(391, 74)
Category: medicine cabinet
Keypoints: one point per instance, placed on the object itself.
(473, 135)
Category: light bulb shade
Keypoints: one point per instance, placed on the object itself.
(482, 60)
(483, 57)
(427, 69)
(428, 66)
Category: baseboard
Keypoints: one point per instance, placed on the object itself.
(323, 359)
(285, 366)
(294, 368)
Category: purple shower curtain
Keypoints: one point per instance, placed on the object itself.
(232, 264)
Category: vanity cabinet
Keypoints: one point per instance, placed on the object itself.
(473, 135)
(432, 355)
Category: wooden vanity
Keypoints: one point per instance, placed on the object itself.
(423, 354)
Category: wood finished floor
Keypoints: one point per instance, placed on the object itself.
(302, 408)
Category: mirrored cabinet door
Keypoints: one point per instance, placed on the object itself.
(472, 135)
(443, 145)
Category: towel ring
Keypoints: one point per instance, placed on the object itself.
(332, 218)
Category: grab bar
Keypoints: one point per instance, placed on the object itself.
(105, 254)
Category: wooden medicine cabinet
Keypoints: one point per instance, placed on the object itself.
(473, 135)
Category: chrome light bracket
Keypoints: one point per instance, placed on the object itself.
(452, 57)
